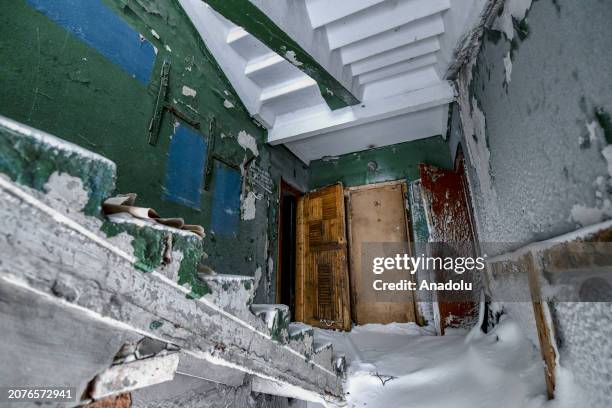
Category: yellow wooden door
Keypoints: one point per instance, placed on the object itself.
(322, 287)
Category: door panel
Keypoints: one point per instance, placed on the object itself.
(322, 273)
(444, 193)
(377, 214)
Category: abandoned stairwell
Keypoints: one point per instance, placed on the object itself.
(130, 291)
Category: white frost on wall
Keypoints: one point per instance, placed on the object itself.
(607, 154)
(513, 9)
(246, 141)
(508, 67)
(585, 215)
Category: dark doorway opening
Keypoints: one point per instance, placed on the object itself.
(285, 278)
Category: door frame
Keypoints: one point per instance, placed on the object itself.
(284, 187)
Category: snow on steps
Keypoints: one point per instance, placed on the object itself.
(69, 171)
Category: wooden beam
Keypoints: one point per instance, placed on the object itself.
(543, 324)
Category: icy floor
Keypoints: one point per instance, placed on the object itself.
(402, 365)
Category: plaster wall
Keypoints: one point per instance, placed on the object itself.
(534, 114)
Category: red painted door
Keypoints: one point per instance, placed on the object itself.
(447, 200)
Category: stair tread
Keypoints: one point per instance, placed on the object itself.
(297, 328)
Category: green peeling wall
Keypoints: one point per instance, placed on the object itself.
(54, 81)
(394, 162)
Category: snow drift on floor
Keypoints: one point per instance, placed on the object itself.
(402, 365)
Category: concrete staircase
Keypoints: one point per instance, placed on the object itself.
(268, 85)
(124, 281)
(391, 54)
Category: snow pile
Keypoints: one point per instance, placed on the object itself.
(400, 365)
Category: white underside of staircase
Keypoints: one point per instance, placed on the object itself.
(391, 54)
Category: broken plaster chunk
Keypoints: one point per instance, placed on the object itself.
(291, 57)
(187, 91)
(508, 67)
(248, 206)
(66, 192)
(246, 141)
(135, 375)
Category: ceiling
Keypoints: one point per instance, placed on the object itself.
(391, 54)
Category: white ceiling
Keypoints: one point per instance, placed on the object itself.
(391, 54)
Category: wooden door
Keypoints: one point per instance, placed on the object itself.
(322, 275)
(377, 214)
(447, 201)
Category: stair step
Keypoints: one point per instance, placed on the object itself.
(401, 36)
(56, 160)
(271, 70)
(320, 346)
(263, 63)
(301, 338)
(232, 293)
(173, 252)
(247, 46)
(321, 13)
(299, 329)
(340, 364)
(277, 319)
(381, 18)
(288, 87)
(289, 97)
(398, 68)
(401, 54)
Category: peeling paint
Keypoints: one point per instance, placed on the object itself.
(248, 206)
(290, 56)
(187, 91)
(514, 10)
(246, 141)
(508, 68)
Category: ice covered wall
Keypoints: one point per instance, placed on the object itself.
(534, 109)
(534, 115)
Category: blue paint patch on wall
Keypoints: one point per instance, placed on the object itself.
(185, 167)
(225, 214)
(99, 27)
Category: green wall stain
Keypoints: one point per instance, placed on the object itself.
(394, 162)
(52, 81)
(156, 324)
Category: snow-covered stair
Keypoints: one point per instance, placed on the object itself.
(133, 278)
